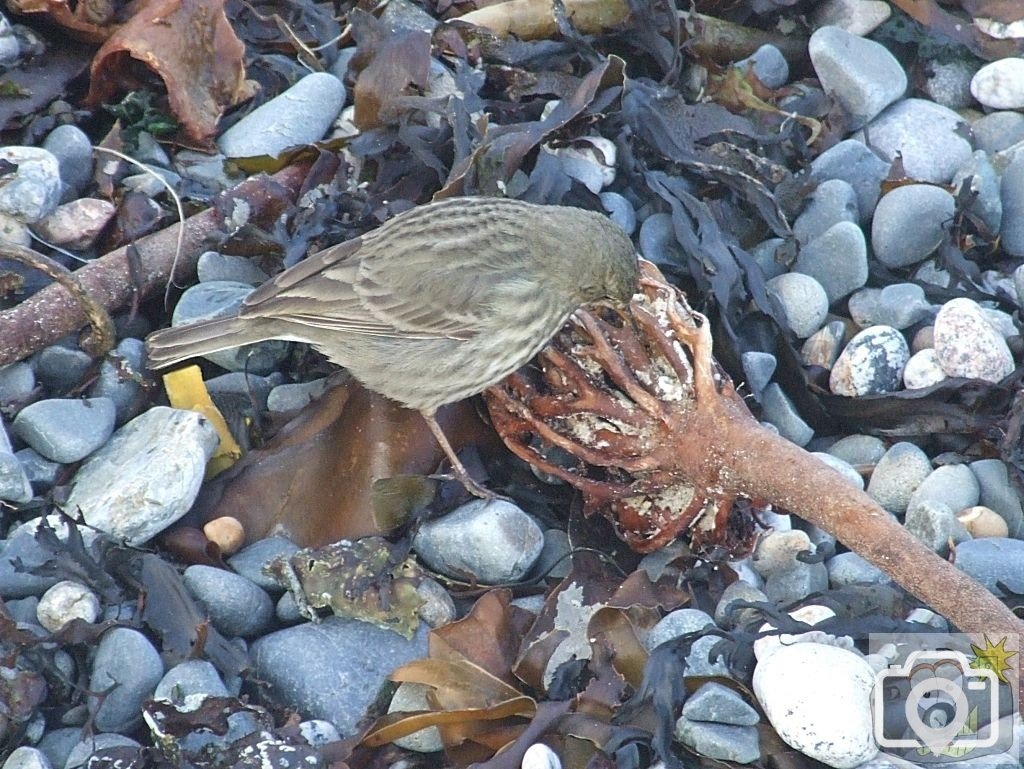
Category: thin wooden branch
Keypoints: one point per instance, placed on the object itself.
(53, 312)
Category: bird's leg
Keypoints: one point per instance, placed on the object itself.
(461, 474)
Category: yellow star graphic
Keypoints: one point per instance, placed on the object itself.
(994, 657)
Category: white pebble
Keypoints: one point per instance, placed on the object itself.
(64, 602)
(1000, 85)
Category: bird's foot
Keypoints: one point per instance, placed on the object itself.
(474, 487)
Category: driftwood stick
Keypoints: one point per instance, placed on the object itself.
(53, 312)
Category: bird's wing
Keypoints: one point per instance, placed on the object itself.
(384, 289)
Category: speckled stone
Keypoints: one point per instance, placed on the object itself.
(967, 345)
(871, 364)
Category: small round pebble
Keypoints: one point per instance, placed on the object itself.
(932, 522)
(492, 540)
(33, 188)
(413, 696)
(858, 449)
(769, 258)
(619, 210)
(909, 223)
(803, 301)
(871, 364)
(851, 569)
(967, 345)
(226, 532)
(837, 259)
(858, 17)
(65, 601)
(73, 150)
(66, 429)
(540, 756)
(1000, 84)
(60, 368)
(737, 744)
(778, 551)
(981, 521)
(237, 607)
(897, 475)
(818, 698)
(675, 624)
(923, 370)
(952, 485)
(251, 561)
(758, 368)
(17, 381)
(213, 266)
(728, 616)
(26, 757)
(769, 65)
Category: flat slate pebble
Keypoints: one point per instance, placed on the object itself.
(492, 540)
(860, 74)
(818, 699)
(851, 569)
(147, 476)
(928, 136)
(758, 368)
(719, 704)
(909, 223)
(324, 670)
(837, 259)
(778, 409)
(300, 115)
(897, 475)
(871, 364)
(967, 345)
(66, 429)
(237, 606)
(719, 741)
(129, 667)
(675, 624)
(214, 266)
(1011, 235)
(991, 561)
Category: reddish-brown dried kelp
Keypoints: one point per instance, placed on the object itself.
(632, 410)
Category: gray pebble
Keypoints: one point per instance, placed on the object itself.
(26, 758)
(120, 378)
(851, 569)
(40, 471)
(619, 210)
(898, 305)
(1012, 192)
(324, 670)
(929, 137)
(929, 272)
(952, 485)
(84, 749)
(932, 523)
(716, 703)
(237, 607)
(766, 255)
(719, 741)
(147, 476)
(897, 475)
(239, 391)
(292, 397)
(675, 624)
(14, 481)
(758, 367)
(910, 223)
(23, 609)
(300, 115)
(858, 165)
(252, 560)
(979, 178)
(701, 662)
(190, 677)
(834, 201)
(777, 408)
(127, 668)
(860, 74)
(56, 744)
(34, 189)
(837, 259)
(769, 65)
(997, 131)
(217, 299)
(967, 345)
(407, 16)
(438, 608)
(858, 449)
(413, 696)
(796, 583)
(553, 563)
(803, 301)
(998, 493)
(60, 368)
(948, 83)
(16, 384)
(728, 617)
(923, 370)
(658, 242)
(491, 540)
(287, 610)
(214, 266)
(1001, 321)
(65, 429)
(73, 150)
(871, 364)
(993, 560)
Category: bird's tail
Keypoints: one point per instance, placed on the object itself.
(172, 345)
